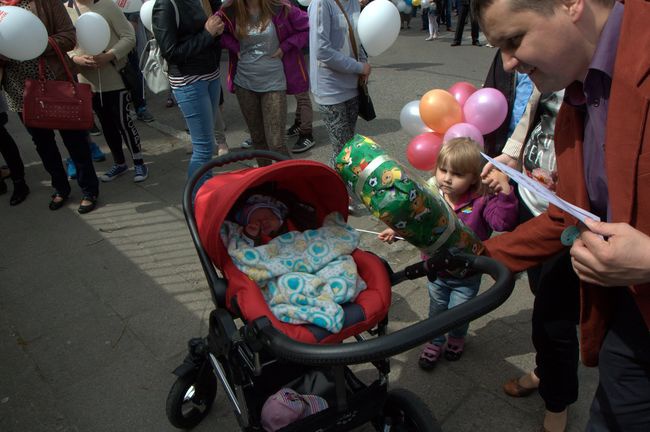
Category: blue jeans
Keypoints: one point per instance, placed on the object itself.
(445, 294)
(199, 103)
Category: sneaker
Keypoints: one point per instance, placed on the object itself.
(476, 43)
(141, 173)
(247, 143)
(97, 154)
(71, 169)
(454, 349)
(94, 131)
(430, 38)
(304, 143)
(454, 43)
(114, 172)
(293, 130)
(429, 356)
(144, 115)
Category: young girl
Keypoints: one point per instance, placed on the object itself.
(265, 39)
(433, 20)
(110, 96)
(458, 178)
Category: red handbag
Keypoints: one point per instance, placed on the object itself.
(57, 104)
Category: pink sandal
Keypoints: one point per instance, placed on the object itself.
(454, 349)
(429, 356)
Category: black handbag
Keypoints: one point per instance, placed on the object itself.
(130, 77)
(366, 107)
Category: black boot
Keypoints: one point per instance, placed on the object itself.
(21, 190)
(3, 186)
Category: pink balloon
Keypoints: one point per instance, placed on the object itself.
(461, 91)
(460, 130)
(486, 109)
(422, 151)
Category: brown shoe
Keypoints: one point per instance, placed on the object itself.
(514, 389)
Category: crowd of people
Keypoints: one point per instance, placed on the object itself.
(578, 124)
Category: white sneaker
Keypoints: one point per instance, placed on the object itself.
(430, 38)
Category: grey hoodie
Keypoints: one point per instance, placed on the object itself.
(333, 70)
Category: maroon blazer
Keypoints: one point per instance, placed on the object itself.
(627, 160)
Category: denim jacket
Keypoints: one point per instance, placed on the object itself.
(292, 28)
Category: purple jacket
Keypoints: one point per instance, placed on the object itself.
(485, 213)
(292, 29)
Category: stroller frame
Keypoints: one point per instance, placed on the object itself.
(236, 356)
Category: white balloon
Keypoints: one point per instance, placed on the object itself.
(407, 9)
(93, 33)
(22, 35)
(304, 3)
(425, 4)
(128, 5)
(401, 5)
(410, 119)
(146, 14)
(378, 26)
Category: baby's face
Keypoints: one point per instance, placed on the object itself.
(263, 221)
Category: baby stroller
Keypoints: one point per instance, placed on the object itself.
(255, 356)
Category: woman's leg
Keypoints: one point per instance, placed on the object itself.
(118, 103)
(340, 122)
(250, 105)
(274, 109)
(9, 151)
(49, 153)
(103, 108)
(198, 103)
(77, 144)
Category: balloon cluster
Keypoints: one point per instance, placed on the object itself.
(440, 115)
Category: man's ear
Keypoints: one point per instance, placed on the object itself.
(574, 8)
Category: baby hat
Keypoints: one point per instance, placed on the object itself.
(286, 406)
(258, 201)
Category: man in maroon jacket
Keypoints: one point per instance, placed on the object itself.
(597, 50)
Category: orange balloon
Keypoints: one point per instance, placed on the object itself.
(440, 110)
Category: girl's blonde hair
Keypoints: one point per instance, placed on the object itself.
(463, 155)
(268, 8)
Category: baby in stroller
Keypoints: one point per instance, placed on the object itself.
(305, 275)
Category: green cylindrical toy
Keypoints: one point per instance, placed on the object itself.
(403, 200)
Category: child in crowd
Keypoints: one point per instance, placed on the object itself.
(433, 20)
(458, 178)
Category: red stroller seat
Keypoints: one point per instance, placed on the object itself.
(312, 183)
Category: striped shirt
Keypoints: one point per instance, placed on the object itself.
(184, 80)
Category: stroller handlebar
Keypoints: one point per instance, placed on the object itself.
(404, 339)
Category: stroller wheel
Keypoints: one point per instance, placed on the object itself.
(190, 399)
(405, 412)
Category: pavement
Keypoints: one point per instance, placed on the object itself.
(96, 309)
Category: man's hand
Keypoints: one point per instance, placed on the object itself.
(278, 54)
(622, 258)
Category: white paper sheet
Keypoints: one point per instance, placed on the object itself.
(537, 188)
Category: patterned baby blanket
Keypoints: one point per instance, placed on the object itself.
(305, 276)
